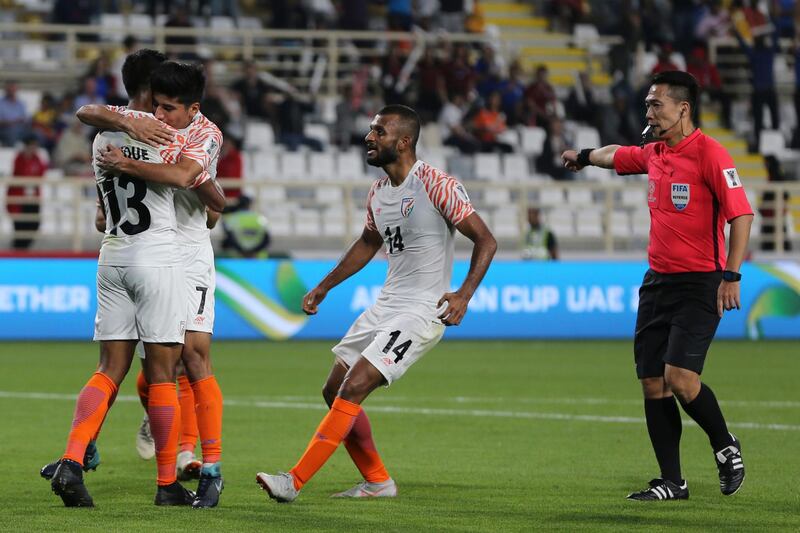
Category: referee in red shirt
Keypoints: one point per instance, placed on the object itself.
(693, 190)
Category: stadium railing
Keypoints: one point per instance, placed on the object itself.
(323, 215)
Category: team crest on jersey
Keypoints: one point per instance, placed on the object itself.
(212, 147)
(461, 192)
(651, 192)
(680, 195)
(732, 177)
(406, 206)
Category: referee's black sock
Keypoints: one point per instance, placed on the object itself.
(664, 427)
(704, 410)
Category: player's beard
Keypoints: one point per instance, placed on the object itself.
(384, 157)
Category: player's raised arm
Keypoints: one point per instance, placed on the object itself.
(354, 259)
(599, 157)
(144, 129)
(474, 228)
(181, 174)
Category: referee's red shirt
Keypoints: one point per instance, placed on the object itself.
(693, 190)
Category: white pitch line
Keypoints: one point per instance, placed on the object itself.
(426, 411)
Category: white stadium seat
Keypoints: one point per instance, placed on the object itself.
(589, 223)
(319, 132)
(620, 224)
(560, 221)
(328, 195)
(487, 167)
(306, 223)
(259, 136)
(640, 222)
(515, 167)
(7, 156)
(579, 197)
(532, 140)
(772, 143)
(350, 166)
(265, 166)
(551, 197)
(321, 166)
(497, 196)
(634, 197)
(333, 222)
(293, 165)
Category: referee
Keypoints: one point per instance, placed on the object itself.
(693, 190)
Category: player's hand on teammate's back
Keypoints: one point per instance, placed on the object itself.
(111, 159)
(728, 297)
(570, 159)
(149, 130)
(313, 299)
(454, 310)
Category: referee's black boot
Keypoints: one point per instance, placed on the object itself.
(662, 489)
(731, 467)
(173, 494)
(67, 482)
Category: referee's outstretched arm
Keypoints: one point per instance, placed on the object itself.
(599, 157)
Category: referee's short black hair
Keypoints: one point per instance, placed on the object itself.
(183, 81)
(409, 120)
(137, 69)
(683, 87)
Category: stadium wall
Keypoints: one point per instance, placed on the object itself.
(56, 298)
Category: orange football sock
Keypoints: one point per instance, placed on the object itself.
(143, 388)
(110, 403)
(189, 431)
(209, 417)
(163, 409)
(90, 411)
(362, 450)
(330, 433)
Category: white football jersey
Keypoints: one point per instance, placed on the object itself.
(203, 143)
(140, 216)
(417, 220)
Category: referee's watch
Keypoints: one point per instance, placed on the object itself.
(730, 275)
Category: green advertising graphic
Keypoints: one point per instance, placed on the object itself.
(276, 320)
(776, 300)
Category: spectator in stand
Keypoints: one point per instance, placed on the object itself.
(399, 17)
(76, 12)
(431, 87)
(89, 94)
(540, 242)
(291, 111)
(65, 111)
(783, 13)
(353, 15)
(390, 76)
(23, 200)
(684, 15)
(708, 79)
(13, 116)
(549, 161)
(230, 166)
(655, 20)
(619, 123)
(512, 91)
(219, 104)
(180, 19)
(451, 122)
(488, 72)
(540, 99)
(715, 21)
(251, 90)
(665, 61)
(475, 21)
(44, 122)
(489, 123)
(73, 152)
(246, 231)
(581, 105)
(100, 72)
(458, 74)
(762, 58)
(451, 15)
(564, 14)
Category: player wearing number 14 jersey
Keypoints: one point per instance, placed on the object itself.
(414, 212)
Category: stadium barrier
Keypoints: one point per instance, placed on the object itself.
(261, 299)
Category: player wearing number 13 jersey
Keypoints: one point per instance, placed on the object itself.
(413, 213)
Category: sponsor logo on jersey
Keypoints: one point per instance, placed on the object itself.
(651, 192)
(406, 206)
(388, 361)
(732, 177)
(680, 195)
(198, 320)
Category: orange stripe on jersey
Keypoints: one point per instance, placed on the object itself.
(446, 194)
(204, 142)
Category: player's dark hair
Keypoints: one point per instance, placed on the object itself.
(683, 87)
(137, 69)
(408, 118)
(183, 81)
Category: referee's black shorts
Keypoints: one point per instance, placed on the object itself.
(676, 321)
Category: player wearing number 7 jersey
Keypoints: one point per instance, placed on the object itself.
(414, 212)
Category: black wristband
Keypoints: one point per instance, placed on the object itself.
(583, 157)
(729, 275)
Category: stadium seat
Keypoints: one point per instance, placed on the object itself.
(259, 136)
(435, 157)
(115, 22)
(579, 197)
(772, 143)
(321, 166)
(640, 222)
(551, 197)
(598, 174)
(515, 167)
(250, 23)
(350, 166)
(487, 167)
(293, 165)
(140, 21)
(7, 156)
(319, 132)
(272, 194)
(279, 219)
(265, 166)
(505, 222)
(32, 53)
(587, 136)
(497, 196)
(634, 197)
(620, 224)
(532, 140)
(560, 221)
(431, 136)
(334, 222)
(306, 223)
(589, 222)
(330, 194)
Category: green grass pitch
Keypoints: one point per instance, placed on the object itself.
(480, 436)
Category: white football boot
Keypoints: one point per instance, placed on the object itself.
(188, 466)
(365, 489)
(145, 444)
(280, 487)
